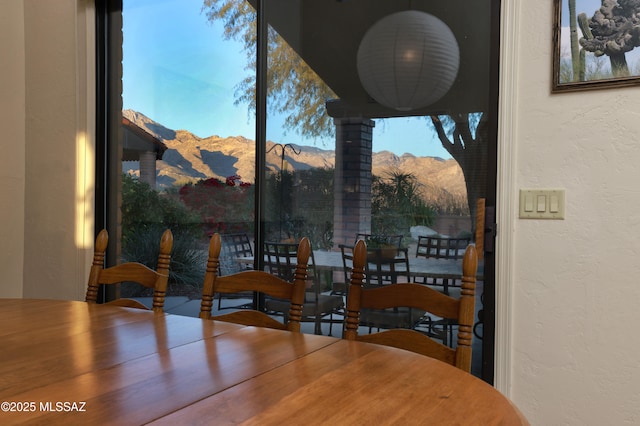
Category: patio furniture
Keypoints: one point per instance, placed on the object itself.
(280, 260)
(234, 245)
(436, 247)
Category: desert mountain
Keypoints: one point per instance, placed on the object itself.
(190, 158)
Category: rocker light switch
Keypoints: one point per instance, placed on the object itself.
(553, 204)
(542, 204)
(528, 203)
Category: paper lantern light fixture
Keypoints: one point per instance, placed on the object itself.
(408, 60)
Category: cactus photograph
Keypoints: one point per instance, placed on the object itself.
(596, 43)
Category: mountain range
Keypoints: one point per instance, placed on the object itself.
(189, 158)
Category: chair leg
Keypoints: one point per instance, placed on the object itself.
(331, 324)
(445, 335)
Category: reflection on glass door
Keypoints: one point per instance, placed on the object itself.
(339, 166)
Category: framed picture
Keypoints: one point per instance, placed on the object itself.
(594, 46)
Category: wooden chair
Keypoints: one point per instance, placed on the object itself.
(280, 260)
(402, 317)
(419, 297)
(256, 281)
(131, 272)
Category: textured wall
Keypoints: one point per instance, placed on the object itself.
(58, 117)
(575, 284)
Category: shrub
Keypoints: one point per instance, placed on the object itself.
(188, 261)
(222, 206)
(145, 215)
(397, 205)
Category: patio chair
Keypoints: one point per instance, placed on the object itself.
(234, 246)
(280, 260)
(385, 264)
(437, 247)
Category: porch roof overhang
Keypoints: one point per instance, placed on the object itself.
(326, 34)
(136, 140)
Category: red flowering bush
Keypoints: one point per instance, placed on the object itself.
(224, 206)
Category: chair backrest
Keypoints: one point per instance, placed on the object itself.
(385, 267)
(281, 259)
(131, 272)
(441, 247)
(419, 297)
(347, 264)
(257, 281)
(380, 268)
(233, 246)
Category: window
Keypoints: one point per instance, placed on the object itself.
(201, 136)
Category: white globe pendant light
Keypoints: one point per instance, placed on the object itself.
(408, 60)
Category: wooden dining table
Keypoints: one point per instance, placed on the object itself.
(70, 362)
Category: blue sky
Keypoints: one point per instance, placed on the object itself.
(178, 71)
(582, 6)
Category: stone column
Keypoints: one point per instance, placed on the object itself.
(352, 183)
(148, 168)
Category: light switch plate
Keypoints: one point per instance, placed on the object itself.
(542, 204)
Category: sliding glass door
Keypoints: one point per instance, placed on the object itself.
(249, 118)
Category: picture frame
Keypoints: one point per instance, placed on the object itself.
(581, 58)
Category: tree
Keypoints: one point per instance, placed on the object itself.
(223, 206)
(146, 214)
(298, 91)
(396, 204)
(469, 149)
(294, 88)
